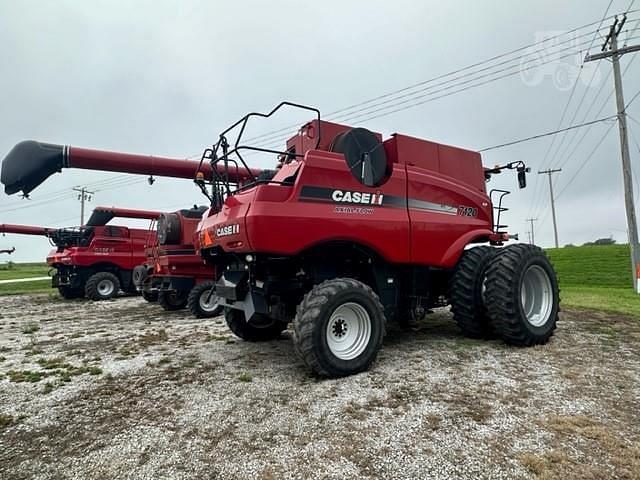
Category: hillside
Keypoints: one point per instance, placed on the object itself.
(598, 266)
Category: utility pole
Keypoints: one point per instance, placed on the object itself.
(532, 238)
(553, 204)
(613, 52)
(83, 195)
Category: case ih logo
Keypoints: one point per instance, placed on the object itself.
(342, 196)
(227, 230)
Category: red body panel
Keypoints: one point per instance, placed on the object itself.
(179, 260)
(120, 246)
(433, 204)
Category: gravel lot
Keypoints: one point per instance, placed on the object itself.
(120, 389)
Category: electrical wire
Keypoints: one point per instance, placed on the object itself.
(439, 77)
(427, 95)
(543, 217)
(554, 132)
(586, 161)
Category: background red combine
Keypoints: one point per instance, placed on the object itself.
(175, 274)
(95, 260)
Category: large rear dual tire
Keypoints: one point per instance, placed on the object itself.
(512, 292)
(522, 295)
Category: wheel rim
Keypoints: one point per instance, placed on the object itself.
(105, 287)
(348, 331)
(536, 296)
(208, 301)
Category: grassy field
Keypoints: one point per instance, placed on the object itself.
(596, 277)
(592, 277)
(10, 271)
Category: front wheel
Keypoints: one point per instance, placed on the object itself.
(522, 295)
(69, 293)
(259, 329)
(339, 327)
(203, 301)
(173, 300)
(102, 286)
(151, 297)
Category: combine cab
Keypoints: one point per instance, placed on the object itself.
(353, 231)
(95, 260)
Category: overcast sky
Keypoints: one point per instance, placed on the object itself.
(164, 77)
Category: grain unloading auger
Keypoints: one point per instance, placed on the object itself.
(30, 163)
(25, 230)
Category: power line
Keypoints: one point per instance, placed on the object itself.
(439, 77)
(427, 100)
(534, 137)
(586, 161)
(588, 129)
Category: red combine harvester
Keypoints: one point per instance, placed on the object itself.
(175, 274)
(30, 163)
(349, 232)
(95, 260)
(354, 230)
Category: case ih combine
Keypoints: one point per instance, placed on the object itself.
(175, 274)
(95, 260)
(352, 231)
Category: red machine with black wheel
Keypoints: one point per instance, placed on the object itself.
(97, 259)
(175, 274)
(354, 230)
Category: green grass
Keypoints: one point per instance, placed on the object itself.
(601, 266)
(23, 270)
(617, 300)
(11, 271)
(596, 277)
(38, 286)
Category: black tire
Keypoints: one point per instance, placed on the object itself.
(151, 297)
(465, 292)
(510, 272)
(260, 329)
(311, 324)
(102, 286)
(173, 300)
(196, 301)
(70, 293)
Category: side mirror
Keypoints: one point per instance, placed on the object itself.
(522, 177)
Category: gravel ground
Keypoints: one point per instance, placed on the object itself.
(120, 389)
